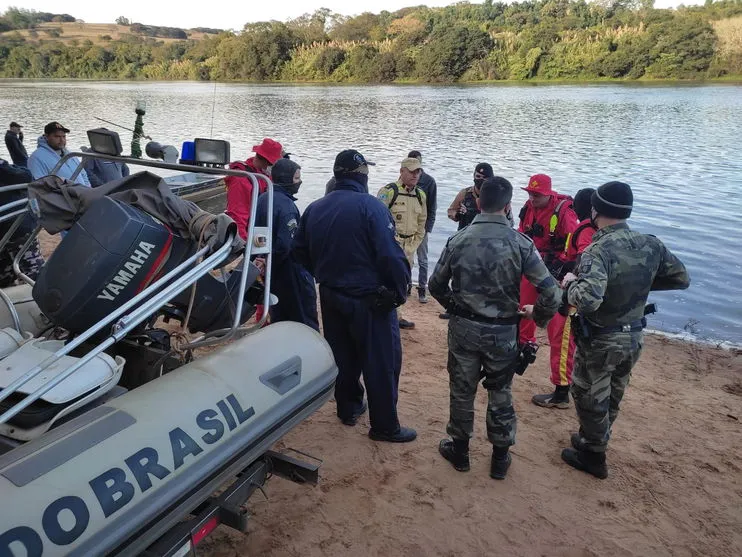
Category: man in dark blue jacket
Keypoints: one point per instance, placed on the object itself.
(14, 143)
(290, 281)
(346, 240)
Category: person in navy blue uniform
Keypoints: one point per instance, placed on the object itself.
(290, 281)
(346, 240)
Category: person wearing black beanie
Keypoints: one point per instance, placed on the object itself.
(613, 200)
(615, 275)
(290, 281)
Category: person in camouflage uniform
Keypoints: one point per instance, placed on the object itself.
(615, 275)
(485, 262)
(32, 260)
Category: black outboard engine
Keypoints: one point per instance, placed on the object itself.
(113, 252)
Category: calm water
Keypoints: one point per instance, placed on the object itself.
(678, 147)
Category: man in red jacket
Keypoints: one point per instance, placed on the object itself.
(239, 188)
(549, 220)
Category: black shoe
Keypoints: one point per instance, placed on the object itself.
(352, 420)
(402, 435)
(500, 464)
(592, 463)
(558, 399)
(404, 324)
(455, 452)
(444, 315)
(422, 296)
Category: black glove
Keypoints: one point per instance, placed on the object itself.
(384, 300)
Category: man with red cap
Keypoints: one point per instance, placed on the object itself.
(549, 220)
(239, 188)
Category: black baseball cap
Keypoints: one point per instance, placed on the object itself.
(52, 127)
(349, 161)
(485, 170)
(15, 125)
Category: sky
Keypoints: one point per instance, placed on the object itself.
(225, 14)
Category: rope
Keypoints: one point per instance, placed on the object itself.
(181, 338)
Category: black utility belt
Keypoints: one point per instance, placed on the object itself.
(632, 327)
(483, 319)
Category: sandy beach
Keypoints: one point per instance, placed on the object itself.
(675, 484)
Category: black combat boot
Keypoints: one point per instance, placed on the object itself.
(558, 399)
(501, 460)
(455, 451)
(586, 461)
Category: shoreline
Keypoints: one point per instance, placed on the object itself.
(734, 80)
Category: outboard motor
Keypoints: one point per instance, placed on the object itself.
(110, 254)
(113, 252)
(214, 304)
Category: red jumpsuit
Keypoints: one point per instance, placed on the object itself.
(239, 194)
(562, 345)
(239, 202)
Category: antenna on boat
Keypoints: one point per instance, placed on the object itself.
(213, 106)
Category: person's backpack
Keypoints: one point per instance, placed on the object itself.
(395, 189)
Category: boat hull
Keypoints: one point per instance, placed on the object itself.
(117, 477)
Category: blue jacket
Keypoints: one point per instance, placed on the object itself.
(43, 159)
(346, 240)
(101, 172)
(290, 281)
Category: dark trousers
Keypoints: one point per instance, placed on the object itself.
(297, 297)
(364, 342)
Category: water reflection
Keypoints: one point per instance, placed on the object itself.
(676, 146)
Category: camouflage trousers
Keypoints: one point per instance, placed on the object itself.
(600, 377)
(30, 263)
(476, 352)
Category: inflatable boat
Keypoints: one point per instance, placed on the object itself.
(116, 431)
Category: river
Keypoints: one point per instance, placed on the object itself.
(677, 146)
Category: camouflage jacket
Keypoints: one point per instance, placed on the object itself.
(616, 273)
(484, 263)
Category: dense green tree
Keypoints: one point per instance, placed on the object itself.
(450, 52)
(545, 39)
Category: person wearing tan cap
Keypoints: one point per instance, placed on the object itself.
(408, 205)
